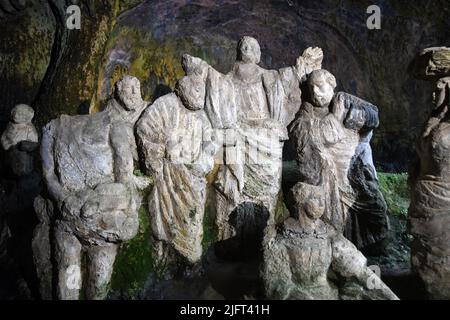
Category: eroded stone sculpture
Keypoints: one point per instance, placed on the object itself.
(331, 135)
(309, 259)
(252, 106)
(177, 146)
(20, 139)
(88, 164)
(429, 215)
(21, 180)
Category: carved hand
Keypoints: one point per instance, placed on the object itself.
(311, 59)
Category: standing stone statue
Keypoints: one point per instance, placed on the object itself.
(22, 182)
(19, 140)
(253, 106)
(331, 135)
(175, 139)
(429, 211)
(88, 163)
(308, 260)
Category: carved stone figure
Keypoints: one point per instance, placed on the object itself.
(252, 106)
(22, 183)
(331, 134)
(20, 139)
(88, 164)
(429, 216)
(176, 142)
(308, 259)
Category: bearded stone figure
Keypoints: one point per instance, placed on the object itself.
(88, 164)
(176, 142)
(307, 259)
(429, 211)
(331, 135)
(252, 107)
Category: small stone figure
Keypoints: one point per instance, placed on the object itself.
(429, 177)
(88, 164)
(22, 183)
(19, 140)
(331, 135)
(307, 259)
(175, 138)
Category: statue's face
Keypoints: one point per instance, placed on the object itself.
(130, 94)
(191, 90)
(440, 91)
(22, 113)
(314, 208)
(249, 50)
(321, 91)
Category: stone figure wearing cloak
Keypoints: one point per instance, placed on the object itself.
(428, 214)
(253, 106)
(331, 133)
(175, 139)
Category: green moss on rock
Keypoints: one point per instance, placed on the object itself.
(394, 188)
(135, 260)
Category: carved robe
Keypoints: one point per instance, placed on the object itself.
(255, 108)
(172, 138)
(333, 149)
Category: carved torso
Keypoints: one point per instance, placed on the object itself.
(83, 154)
(435, 150)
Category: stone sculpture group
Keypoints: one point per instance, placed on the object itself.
(233, 125)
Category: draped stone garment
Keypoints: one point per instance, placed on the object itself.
(429, 212)
(172, 140)
(313, 131)
(332, 145)
(256, 109)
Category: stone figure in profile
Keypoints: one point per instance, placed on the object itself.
(331, 135)
(252, 106)
(176, 143)
(307, 259)
(429, 178)
(88, 165)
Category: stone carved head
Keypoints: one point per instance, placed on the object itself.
(321, 85)
(309, 201)
(194, 66)
(128, 92)
(22, 113)
(441, 93)
(248, 50)
(192, 92)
